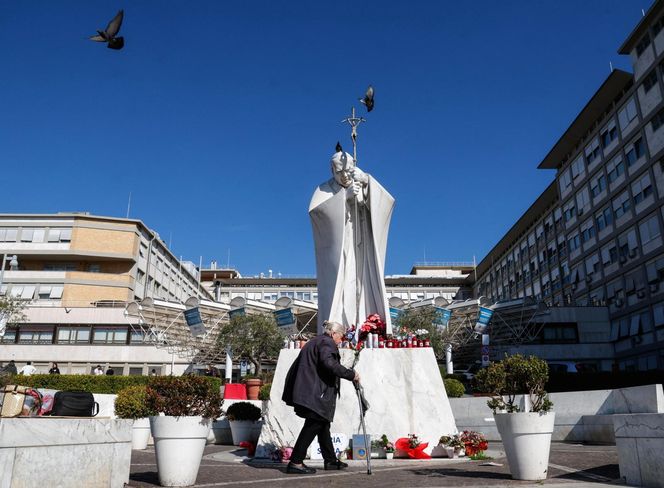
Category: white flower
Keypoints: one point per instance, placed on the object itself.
(421, 331)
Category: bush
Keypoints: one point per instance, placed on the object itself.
(264, 392)
(179, 396)
(88, 382)
(515, 375)
(243, 411)
(131, 403)
(454, 388)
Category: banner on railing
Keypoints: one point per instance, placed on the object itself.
(238, 312)
(442, 317)
(286, 320)
(194, 321)
(395, 313)
(483, 319)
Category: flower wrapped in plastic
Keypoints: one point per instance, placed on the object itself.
(413, 448)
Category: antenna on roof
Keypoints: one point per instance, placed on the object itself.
(128, 204)
(611, 66)
(643, 13)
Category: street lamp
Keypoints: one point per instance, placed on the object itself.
(13, 265)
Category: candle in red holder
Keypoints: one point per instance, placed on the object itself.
(420, 343)
(388, 343)
(427, 343)
(381, 343)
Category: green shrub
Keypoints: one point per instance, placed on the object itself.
(515, 375)
(87, 382)
(454, 388)
(264, 392)
(179, 396)
(243, 411)
(131, 403)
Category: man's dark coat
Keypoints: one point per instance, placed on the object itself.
(313, 379)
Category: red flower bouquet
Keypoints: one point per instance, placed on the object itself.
(413, 447)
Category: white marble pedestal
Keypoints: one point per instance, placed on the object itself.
(43, 452)
(640, 443)
(403, 386)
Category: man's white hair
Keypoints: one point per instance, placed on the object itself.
(332, 327)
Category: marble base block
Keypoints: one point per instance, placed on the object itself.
(640, 443)
(41, 451)
(403, 387)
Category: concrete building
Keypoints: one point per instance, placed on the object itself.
(79, 271)
(426, 280)
(594, 237)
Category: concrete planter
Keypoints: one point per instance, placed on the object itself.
(140, 433)
(527, 441)
(179, 444)
(242, 430)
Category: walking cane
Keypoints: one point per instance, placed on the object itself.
(364, 405)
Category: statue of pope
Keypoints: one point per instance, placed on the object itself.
(350, 216)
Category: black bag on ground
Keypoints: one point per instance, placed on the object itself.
(74, 404)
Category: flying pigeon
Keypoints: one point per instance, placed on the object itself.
(368, 99)
(339, 148)
(111, 31)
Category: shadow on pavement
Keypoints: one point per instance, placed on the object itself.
(460, 473)
(145, 477)
(608, 471)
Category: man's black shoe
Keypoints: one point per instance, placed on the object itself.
(335, 465)
(301, 469)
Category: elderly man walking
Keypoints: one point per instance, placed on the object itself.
(312, 386)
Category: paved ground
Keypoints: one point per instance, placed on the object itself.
(570, 465)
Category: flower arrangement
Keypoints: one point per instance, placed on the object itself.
(474, 442)
(454, 441)
(385, 443)
(412, 446)
(372, 325)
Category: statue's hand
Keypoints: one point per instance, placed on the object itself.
(356, 188)
(359, 176)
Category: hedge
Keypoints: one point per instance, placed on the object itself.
(454, 388)
(85, 382)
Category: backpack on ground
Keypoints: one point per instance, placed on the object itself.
(74, 404)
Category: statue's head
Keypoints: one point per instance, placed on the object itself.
(341, 164)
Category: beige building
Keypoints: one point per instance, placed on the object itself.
(79, 271)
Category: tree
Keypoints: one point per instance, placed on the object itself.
(11, 312)
(252, 337)
(422, 318)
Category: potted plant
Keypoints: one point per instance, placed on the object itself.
(242, 416)
(253, 384)
(186, 405)
(474, 443)
(386, 446)
(452, 445)
(131, 403)
(524, 429)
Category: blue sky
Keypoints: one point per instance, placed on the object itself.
(220, 117)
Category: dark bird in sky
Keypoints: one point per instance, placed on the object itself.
(339, 148)
(111, 31)
(368, 99)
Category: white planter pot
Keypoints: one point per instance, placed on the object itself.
(242, 430)
(140, 433)
(179, 444)
(222, 432)
(389, 455)
(527, 441)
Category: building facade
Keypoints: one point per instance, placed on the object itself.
(78, 271)
(594, 237)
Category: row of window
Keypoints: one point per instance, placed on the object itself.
(31, 334)
(32, 291)
(29, 234)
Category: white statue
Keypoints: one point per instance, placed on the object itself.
(350, 215)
